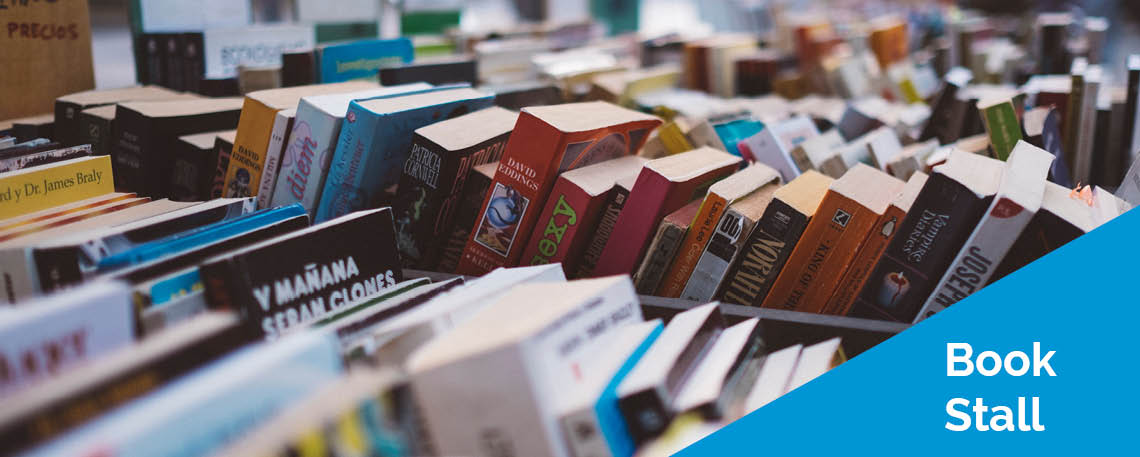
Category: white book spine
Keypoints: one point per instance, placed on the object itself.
(980, 255)
(583, 434)
(766, 149)
(306, 157)
(278, 138)
(19, 275)
(718, 256)
(1087, 131)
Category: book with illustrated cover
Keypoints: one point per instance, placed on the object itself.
(466, 216)
(546, 141)
(38, 188)
(376, 141)
(432, 180)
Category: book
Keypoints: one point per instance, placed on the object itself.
(1017, 200)
(521, 95)
(360, 59)
(1074, 109)
(298, 67)
(546, 141)
(354, 327)
(882, 147)
(54, 334)
(432, 179)
(855, 277)
(647, 397)
(1130, 141)
(605, 227)
(225, 49)
(251, 142)
(766, 149)
(255, 78)
(849, 212)
(61, 210)
(375, 142)
(815, 360)
(146, 130)
(224, 146)
(954, 198)
(283, 282)
(52, 408)
(20, 161)
(912, 159)
(37, 188)
(772, 382)
(514, 351)
(1001, 122)
(663, 247)
(773, 238)
(1088, 128)
(715, 379)
(195, 159)
(69, 218)
(727, 242)
(948, 112)
(1129, 189)
(68, 107)
(278, 139)
(440, 70)
(466, 215)
(663, 186)
(820, 153)
(312, 142)
(573, 210)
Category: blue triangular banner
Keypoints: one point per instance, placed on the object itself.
(1079, 301)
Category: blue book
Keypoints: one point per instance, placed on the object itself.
(208, 409)
(361, 59)
(192, 239)
(375, 141)
(733, 132)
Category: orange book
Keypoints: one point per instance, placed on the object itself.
(720, 195)
(888, 40)
(853, 205)
(873, 248)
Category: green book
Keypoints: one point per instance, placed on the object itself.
(1000, 119)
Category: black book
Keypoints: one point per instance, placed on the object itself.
(1053, 36)
(1130, 106)
(223, 146)
(1060, 219)
(438, 71)
(193, 61)
(519, 96)
(431, 185)
(69, 108)
(219, 87)
(948, 113)
(467, 214)
(1041, 127)
(298, 68)
(146, 132)
(51, 409)
(29, 129)
(195, 162)
(173, 44)
(152, 65)
(97, 128)
(298, 278)
(942, 217)
(855, 123)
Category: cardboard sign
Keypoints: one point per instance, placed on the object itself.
(45, 49)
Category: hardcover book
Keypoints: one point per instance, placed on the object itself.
(663, 186)
(663, 248)
(312, 141)
(1017, 200)
(432, 180)
(467, 215)
(37, 188)
(848, 214)
(68, 107)
(258, 113)
(954, 198)
(546, 141)
(618, 195)
(360, 59)
(773, 238)
(573, 210)
(284, 282)
(375, 142)
(147, 131)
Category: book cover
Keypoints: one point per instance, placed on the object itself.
(773, 239)
(573, 210)
(278, 138)
(432, 179)
(147, 130)
(1001, 124)
(663, 247)
(258, 113)
(1017, 200)
(766, 149)
(195, 159)
(224, 49)
(846, 216)
(618, 195)
(546, 141)
(466, 216)
(37, 188)
(375, 142)
(284, 282)
(954, 198)
(312, 142)
(360, 59)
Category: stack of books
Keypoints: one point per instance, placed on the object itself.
(550, 243)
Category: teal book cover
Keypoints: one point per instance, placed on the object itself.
(361, 59)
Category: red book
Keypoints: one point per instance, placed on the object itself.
(547, 141)
(664, 186)
(573, 210)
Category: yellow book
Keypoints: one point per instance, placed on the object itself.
(37, 188)
(258, 112)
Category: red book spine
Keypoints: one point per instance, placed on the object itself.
(745, 151)
(564, 227)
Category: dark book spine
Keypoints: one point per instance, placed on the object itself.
(226, 286)
(174, 61)
(133, 135)
(1045, 232)
(1130, 106)
(97, 132)
(56, 268)
(610, 213)
(972, 122)
(945, 121)
(942, 217)
(298, 68)
(82, 406)
(764, 255)
(154, 69)
(189, 164)
(67, 123)
(1104, 162)
(222, 150)
(464, 222)
(193, 62)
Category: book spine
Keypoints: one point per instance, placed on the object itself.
(305, 161)
(19, 275)
(247, 159)
(635, 224)
(353, 147)
(67, 123)
(658, 257)
(278, 139)
(1003, 128)
(563, 226)
(97, 132)
(764, 255)
(719, 254)
(223, 151)
(43, 158)
(474, 190)
(583, 434)
(1072, 122)
(55, 185)
(1086, 132)
(183, 180)
(981, 254)
(700, 231)
(175, 62)
(856, 275)
(1131, 140)
(609, 216)
(942, 217)
(131, 147)
(945, 122)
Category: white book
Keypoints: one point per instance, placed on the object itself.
(312, 142)
(278, 138)
(794, 131)
(1129, 190)
(772, 383)
(1018, 198)
(883, 147)
(493, 381)
(816, 360)
(44, 338)
(224, 49)
(1087, 131)
(208, 409)
(717, 375)
(820, 153)
(911, 159)
(767, 149)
